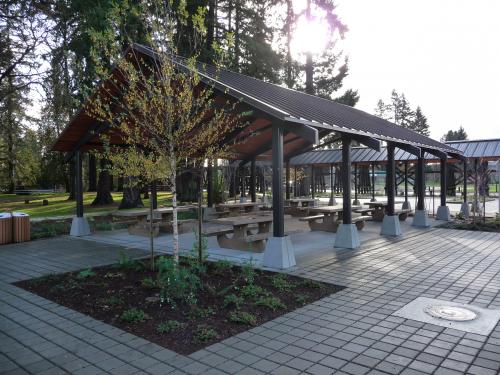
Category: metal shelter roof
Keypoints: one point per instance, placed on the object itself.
(485, 148)
(298, 112)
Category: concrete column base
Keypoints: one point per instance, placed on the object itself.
(443, 213)
(332, 201)
(279, 253)
(406, 205)
(421, 219)
(243, 199)
(391, 226)
(356, 202)
(373, 200)
(465, 210)
(209, 213)
(347, 236)
(79, 227)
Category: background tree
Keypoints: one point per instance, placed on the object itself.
(455, 135)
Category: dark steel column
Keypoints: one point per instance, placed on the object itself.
(313, 183)
(253, 181)
(78, 184)
(420, 183)
(346, 179)
(331, 183)
(406, 181)
(287, 182)
(355, 181)
(391, 181)
(210, 184)
(278, 211)
(295, 181)
(465, 181)
(154, 194)
(373, 182)
(444, 173)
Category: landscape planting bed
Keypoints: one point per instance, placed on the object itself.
(227, 300)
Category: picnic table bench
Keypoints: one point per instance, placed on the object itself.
(328, 218)
(236, 209)
(379, 210)
(242, 229)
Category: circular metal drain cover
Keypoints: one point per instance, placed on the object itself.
(455, 313)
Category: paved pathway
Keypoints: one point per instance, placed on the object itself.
(350, 332)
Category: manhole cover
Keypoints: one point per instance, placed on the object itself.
(454, 313)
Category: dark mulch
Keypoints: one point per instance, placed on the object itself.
(113, 290)
(491, 225)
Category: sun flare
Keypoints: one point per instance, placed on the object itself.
(310, 36)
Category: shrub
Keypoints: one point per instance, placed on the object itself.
(242, 317)
(271, 303)
(204, 334)
(148, 283)
(280, 282)
(313, 284)
(178, 284)
(133, 315)
(126, 262)
(253, 291)
(200, 313)
(170, 326)
(222, 266)
(85, 274)
(232, 300)
(301, 299)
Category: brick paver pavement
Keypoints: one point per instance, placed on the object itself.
(350, 332)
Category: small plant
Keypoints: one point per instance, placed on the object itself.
(232, 300)
(148, 283)
(85, 274)
(222, 266)
(280, 282)
(204, 334)
(178, 284)
(271, 303)
(301, 299)
(126, 262)
(242, 317)
(113, 275)
(200, 313)
(313, 284)
(112, 301)
(51, 277)
(248, 272)
(133, 315)
(226, 290)
(253, 291)
(170, 326)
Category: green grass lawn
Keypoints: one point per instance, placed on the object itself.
(60, 206)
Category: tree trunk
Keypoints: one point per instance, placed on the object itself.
(309, 61)
(92, 173)
(175, 229)
(103, 196)
(131, 197)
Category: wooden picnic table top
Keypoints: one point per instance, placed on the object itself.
(330, 209)
(243, 204)
(381, 204)
(145, 212)
(301, 199)
(245, 220)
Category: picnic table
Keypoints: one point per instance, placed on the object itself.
(329, 216)
(235, 209)
(379, 209)
(243, 238)
(162, 220)
(301, 202)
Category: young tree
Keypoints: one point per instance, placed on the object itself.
(157, 105)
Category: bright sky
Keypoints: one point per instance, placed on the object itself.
(444, 55)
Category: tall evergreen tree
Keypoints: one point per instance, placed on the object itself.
(419, 123)
(455, 135)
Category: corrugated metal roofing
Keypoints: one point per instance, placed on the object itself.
(295, 106)
(487, 148)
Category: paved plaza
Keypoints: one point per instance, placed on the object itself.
(351, 332)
